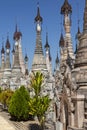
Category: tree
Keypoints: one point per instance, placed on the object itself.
(18, 107)
(38, 105)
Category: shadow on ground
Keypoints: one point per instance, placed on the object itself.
(34, 127)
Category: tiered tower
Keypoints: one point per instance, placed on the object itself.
(80, 75)
(66, 10)
(81, 55)
(39, 62)
(2, 58)
(16, 63)
(7, 69)
(5, 81)
(7, 63)
(2, 61)
(17, 38)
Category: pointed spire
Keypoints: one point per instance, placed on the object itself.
(13, 51)
(57, 63)
(69, 60)
(7, 63)
(50, 58)
(66, 8)
(2, 57)
(78, 19)
(7, 43)
(86, 3)
(17, 34)
(61, 41)
(85, 18)
(57, 59)
(47, 45)
(75, 50)
(78, 32)
(26, 58)
(26, 64)
(38, 17)
(16, 28)
(2, 50)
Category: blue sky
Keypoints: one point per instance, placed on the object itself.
(23, 13)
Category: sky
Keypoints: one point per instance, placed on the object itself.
(23, 13)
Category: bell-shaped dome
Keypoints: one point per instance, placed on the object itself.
(38, 17)
(66, 8)
(17, 34)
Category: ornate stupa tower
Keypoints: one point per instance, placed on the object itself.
(48, 55)
(16, 62)
(81, 55)
(17, 38)
(2, 61)
(39, 62)
(7, 70)
(2, 58)
(7, 63)
(80, 75)
(66, 10)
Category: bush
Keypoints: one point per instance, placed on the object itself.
(19, 108)
(5, 97)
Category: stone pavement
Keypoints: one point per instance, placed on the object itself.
(5, 125)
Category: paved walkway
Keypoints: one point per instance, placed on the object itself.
(4, 125)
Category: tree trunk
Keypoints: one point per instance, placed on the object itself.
(42, 126)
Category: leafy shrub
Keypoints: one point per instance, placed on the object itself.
(19, 108)
(38, 105)
(5, 97)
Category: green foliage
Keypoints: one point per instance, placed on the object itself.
(38, 105)
(19, 108)
(36, 82)
(5, 97)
